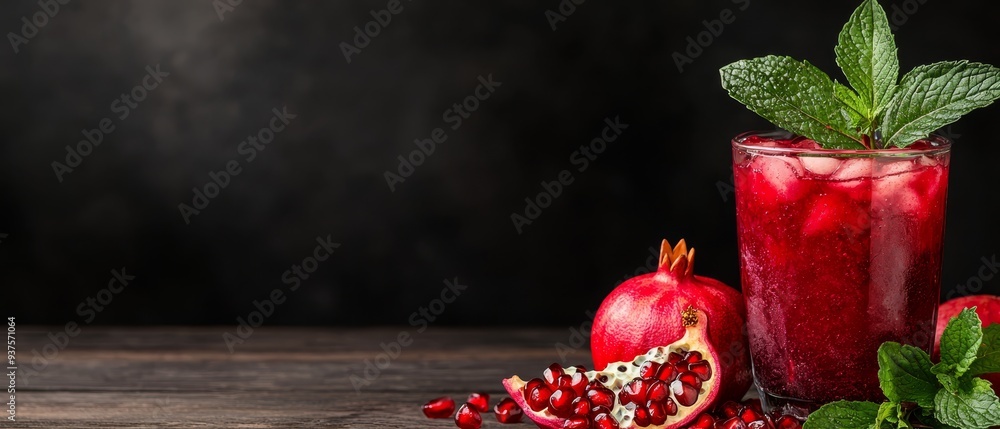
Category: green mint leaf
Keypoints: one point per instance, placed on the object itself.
(974, 406)
(932, 96)
(959, 344)
(866, 52)
(988, 357)
(852, 106)
(948, 381)
(887, 412)
(843, 415)
(794, 95)
(905, 374)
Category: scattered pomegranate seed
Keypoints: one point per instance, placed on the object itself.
(507, 411)
(729, 409)
(787, 422)
(439, 408)
(733, 423)
(480, 401)
(468, 418)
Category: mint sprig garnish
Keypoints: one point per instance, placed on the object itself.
(878, 109)
(794, 95)
(921, 394)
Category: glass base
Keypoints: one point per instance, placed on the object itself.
(798, 408)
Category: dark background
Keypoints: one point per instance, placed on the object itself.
(451, 218)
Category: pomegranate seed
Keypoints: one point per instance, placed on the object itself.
(634, 391)
(480, 401)
(692, 357)
(670, 407)
(599, 410)
(657, 413)
(601, 396)
(649, 369)
(690, 379)
(641, 417)
(674, 358)
(507, 411)
(551, 375)
(755, 404)
(703, 369)
(704, 421)
(564, 380)
(730, 409)
(759, 424)
(538, 398)
(787, 422)
(657, 391)
(686, 395)
(749, 415)
(733, 423)
(578, 382)
(439, 408)
(580, 407)
(468, 418)
(576, 423)
(604, 421)
(560, 402)
(667, 373)
(531, 384)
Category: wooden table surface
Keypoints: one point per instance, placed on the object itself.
(278, 378)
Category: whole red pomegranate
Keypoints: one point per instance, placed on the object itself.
(988, 309)
(641, 313)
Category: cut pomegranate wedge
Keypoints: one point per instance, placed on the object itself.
(667, 387)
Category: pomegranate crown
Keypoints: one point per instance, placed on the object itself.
(677, 259)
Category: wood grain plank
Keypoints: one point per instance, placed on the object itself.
(280, 377)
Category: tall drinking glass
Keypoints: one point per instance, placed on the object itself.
(840, 251)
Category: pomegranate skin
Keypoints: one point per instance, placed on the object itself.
(988, 309)
(642, 313)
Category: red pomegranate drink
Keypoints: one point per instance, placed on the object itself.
(840, 251)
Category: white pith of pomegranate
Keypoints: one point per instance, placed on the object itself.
(666, 387)
(641, 314)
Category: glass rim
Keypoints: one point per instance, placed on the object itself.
(939, 145)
